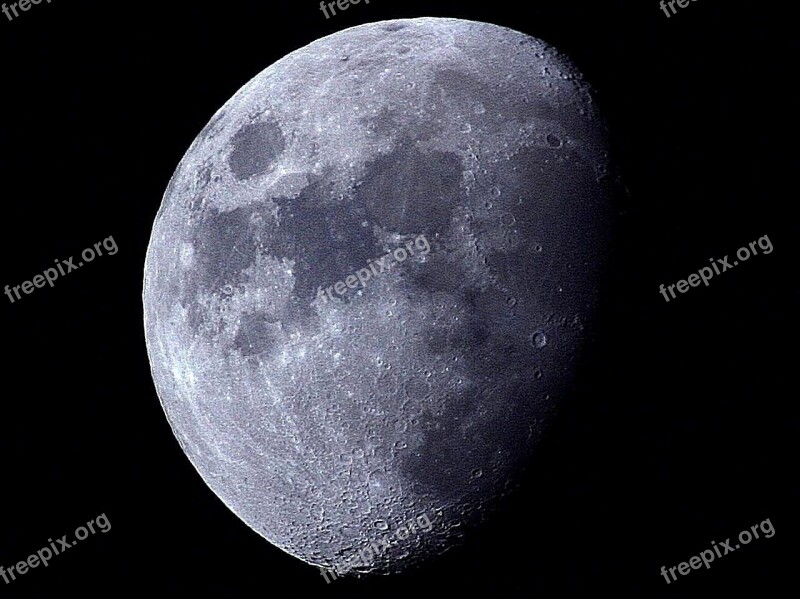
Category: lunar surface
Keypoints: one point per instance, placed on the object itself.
(324, 408)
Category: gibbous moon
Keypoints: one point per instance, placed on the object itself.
(326, 410)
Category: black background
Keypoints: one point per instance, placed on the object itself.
(684, 429)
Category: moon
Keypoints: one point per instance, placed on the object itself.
(326, 409)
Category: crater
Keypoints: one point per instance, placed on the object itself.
(256, 148)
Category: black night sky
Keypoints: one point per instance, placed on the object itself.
(683, 430)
